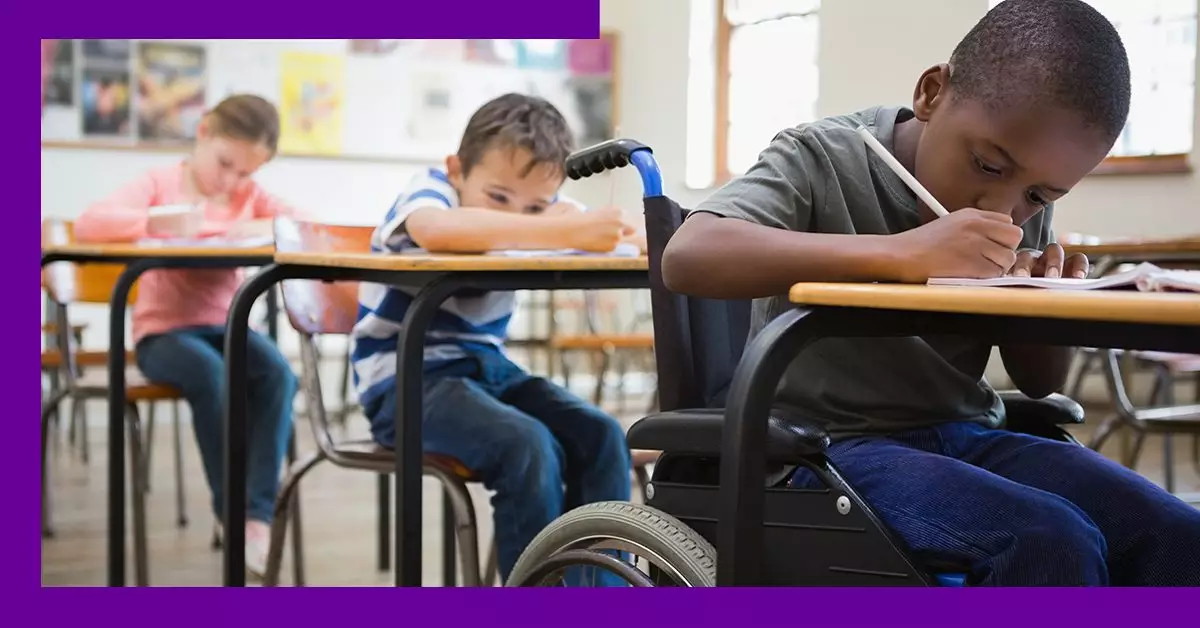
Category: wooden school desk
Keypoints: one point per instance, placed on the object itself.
(1110, 319)
(437, 277)
(139, 259)
(1107, 254)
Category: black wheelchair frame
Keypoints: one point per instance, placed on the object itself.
(825, 537)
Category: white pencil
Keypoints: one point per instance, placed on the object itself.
(904, 175)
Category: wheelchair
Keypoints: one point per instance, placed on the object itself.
(823, 537)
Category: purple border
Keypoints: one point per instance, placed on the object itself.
(727, 607)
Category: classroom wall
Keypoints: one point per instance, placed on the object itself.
(869, 55)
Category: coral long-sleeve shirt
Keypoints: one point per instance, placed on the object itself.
(173, 299)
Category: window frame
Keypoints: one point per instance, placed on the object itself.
(1172, 163)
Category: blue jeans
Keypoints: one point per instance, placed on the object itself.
(190, 359)
(1017, 510)
(523, 436)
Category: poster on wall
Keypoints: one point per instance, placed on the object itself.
(491, 51)
(60, 79)
(171, 83)
(541, 54)
(105, 88)
(432, 117)
(374, 47)
(592, 65)
(312, 103)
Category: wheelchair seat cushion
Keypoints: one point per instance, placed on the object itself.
(699, 433)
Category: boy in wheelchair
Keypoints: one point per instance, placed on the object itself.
(1031, 100)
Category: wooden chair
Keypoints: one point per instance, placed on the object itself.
(68, 284)
(323, 309)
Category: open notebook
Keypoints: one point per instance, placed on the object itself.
(209, 243)
(622, 250)
(1144, 277)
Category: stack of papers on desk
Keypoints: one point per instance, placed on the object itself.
(1145, 277)
(208, 243)
(622, 250)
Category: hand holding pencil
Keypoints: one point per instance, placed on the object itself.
(968, 243)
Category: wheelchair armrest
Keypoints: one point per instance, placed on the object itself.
(1035, 415)
(698, 433)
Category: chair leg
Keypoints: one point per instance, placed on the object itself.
(181, 518)
(1135, 451)
(1106, 429)
(284, 502)
(150, 408)
(601, 373)
(461, 511)
(79, 423)
(449, 546)
(137, 488)
(491, 571)
(298, 577)
(383, 505)
(48, 412)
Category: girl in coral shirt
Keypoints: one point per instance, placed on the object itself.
(179, 317)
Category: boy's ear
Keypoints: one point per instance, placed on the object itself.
(932, 89)
(454, 171)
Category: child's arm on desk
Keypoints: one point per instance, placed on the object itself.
(478, 230)
(122, 217)
(728, 258)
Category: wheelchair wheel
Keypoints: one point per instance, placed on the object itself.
(639, 545)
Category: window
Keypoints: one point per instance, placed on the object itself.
(1160, 39)
(759, 57)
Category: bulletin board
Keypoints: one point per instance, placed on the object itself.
(388, 100)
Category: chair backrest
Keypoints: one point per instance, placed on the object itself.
(316, 307)
(68, 283)
(697, 342)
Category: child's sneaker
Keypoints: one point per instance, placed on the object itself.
(258, 543)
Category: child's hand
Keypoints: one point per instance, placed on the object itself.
(261, 228)
(175, 221)
(969, 243)
(1051, 263)
(561, 209)
(597, 230)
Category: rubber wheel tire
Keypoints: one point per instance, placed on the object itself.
(678, 545)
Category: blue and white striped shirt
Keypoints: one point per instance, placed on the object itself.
(464, 325)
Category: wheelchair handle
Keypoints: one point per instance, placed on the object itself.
(614, 154)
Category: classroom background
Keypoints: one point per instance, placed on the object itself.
(705, 83)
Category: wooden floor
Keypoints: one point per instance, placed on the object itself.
(338, 506)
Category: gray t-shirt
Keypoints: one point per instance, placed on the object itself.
(822, 178)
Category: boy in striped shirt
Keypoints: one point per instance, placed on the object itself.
(522, 435)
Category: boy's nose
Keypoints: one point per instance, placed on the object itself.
(1000, 202)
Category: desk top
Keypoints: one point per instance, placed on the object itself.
(1133, 247)
(461, 263)
(1090, 305)
(126, 251)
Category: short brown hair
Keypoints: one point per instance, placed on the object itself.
(247, 117)
(515, 121)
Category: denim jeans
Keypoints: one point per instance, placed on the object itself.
(523, 436)
(1017, 510)
(191, 360)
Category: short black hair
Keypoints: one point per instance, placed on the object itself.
(515, 121)
(1046, 53)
